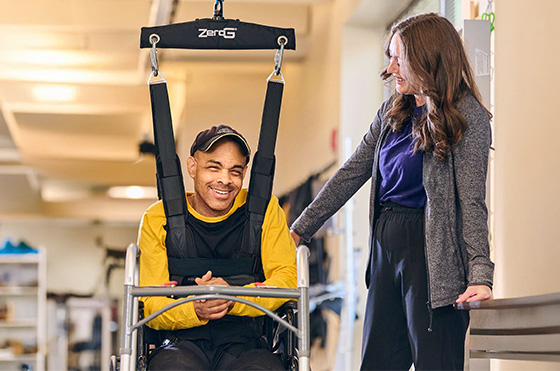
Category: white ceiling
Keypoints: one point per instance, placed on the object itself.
(74, 103)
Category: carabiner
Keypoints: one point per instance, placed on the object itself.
(154, 39)
(282, 41)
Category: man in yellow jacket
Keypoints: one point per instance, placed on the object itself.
(215, 334)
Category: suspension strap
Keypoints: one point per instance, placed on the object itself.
(171, 189)
(264, 161)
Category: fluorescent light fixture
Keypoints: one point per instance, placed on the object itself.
(54, 193)
(70, 75)
(133, 192)
(52, 58)
(54, 93)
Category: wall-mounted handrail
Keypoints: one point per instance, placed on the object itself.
(524, 328)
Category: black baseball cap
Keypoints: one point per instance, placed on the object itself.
(206, 139)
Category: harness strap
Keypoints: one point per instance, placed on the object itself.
(171, 189)
(262, 172)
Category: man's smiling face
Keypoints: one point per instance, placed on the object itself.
(218, 177)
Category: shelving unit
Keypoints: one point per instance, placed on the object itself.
(23, 319)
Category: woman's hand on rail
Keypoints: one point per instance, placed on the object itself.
(475, 293)
(296, 237)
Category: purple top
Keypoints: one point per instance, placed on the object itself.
(401, 169)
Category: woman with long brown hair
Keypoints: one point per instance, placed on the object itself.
(427, 155)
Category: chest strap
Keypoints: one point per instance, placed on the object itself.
(235, 271)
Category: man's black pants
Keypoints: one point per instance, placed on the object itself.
(397, 315)
(200, 355)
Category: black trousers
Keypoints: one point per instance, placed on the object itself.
(399, 327)
(201, 355)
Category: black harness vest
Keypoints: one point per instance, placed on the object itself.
(216, 247)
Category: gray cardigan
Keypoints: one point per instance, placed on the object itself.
(456, 229)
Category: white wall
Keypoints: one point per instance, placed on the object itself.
(361, 96)
(527, 179)
(526, 141)
(304, 144)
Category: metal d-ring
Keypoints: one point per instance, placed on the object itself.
(154, 39)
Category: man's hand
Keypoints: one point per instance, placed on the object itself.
(215, 308)
(475, 293)
(296, 237)
(212, 309)
(208, 280)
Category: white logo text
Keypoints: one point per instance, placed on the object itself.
(226, 33)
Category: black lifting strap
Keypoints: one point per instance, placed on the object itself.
(171, 189)
(262, 171)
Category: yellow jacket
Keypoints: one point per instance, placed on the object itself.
(278, 254)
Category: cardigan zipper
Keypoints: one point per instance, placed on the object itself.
(429, 302)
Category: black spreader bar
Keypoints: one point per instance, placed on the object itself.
(217, 34)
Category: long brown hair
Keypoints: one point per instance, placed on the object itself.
(434, 62)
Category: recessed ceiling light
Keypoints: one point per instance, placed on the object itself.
(54, 93)
(133, 192)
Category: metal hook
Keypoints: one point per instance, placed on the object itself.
(282, 41)
(154, 39)
(218, 10)
(489, 5)
(489, 15)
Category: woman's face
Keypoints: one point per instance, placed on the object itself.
(394, 68)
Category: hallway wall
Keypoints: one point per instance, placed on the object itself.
(527, 179)
(526, 136)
